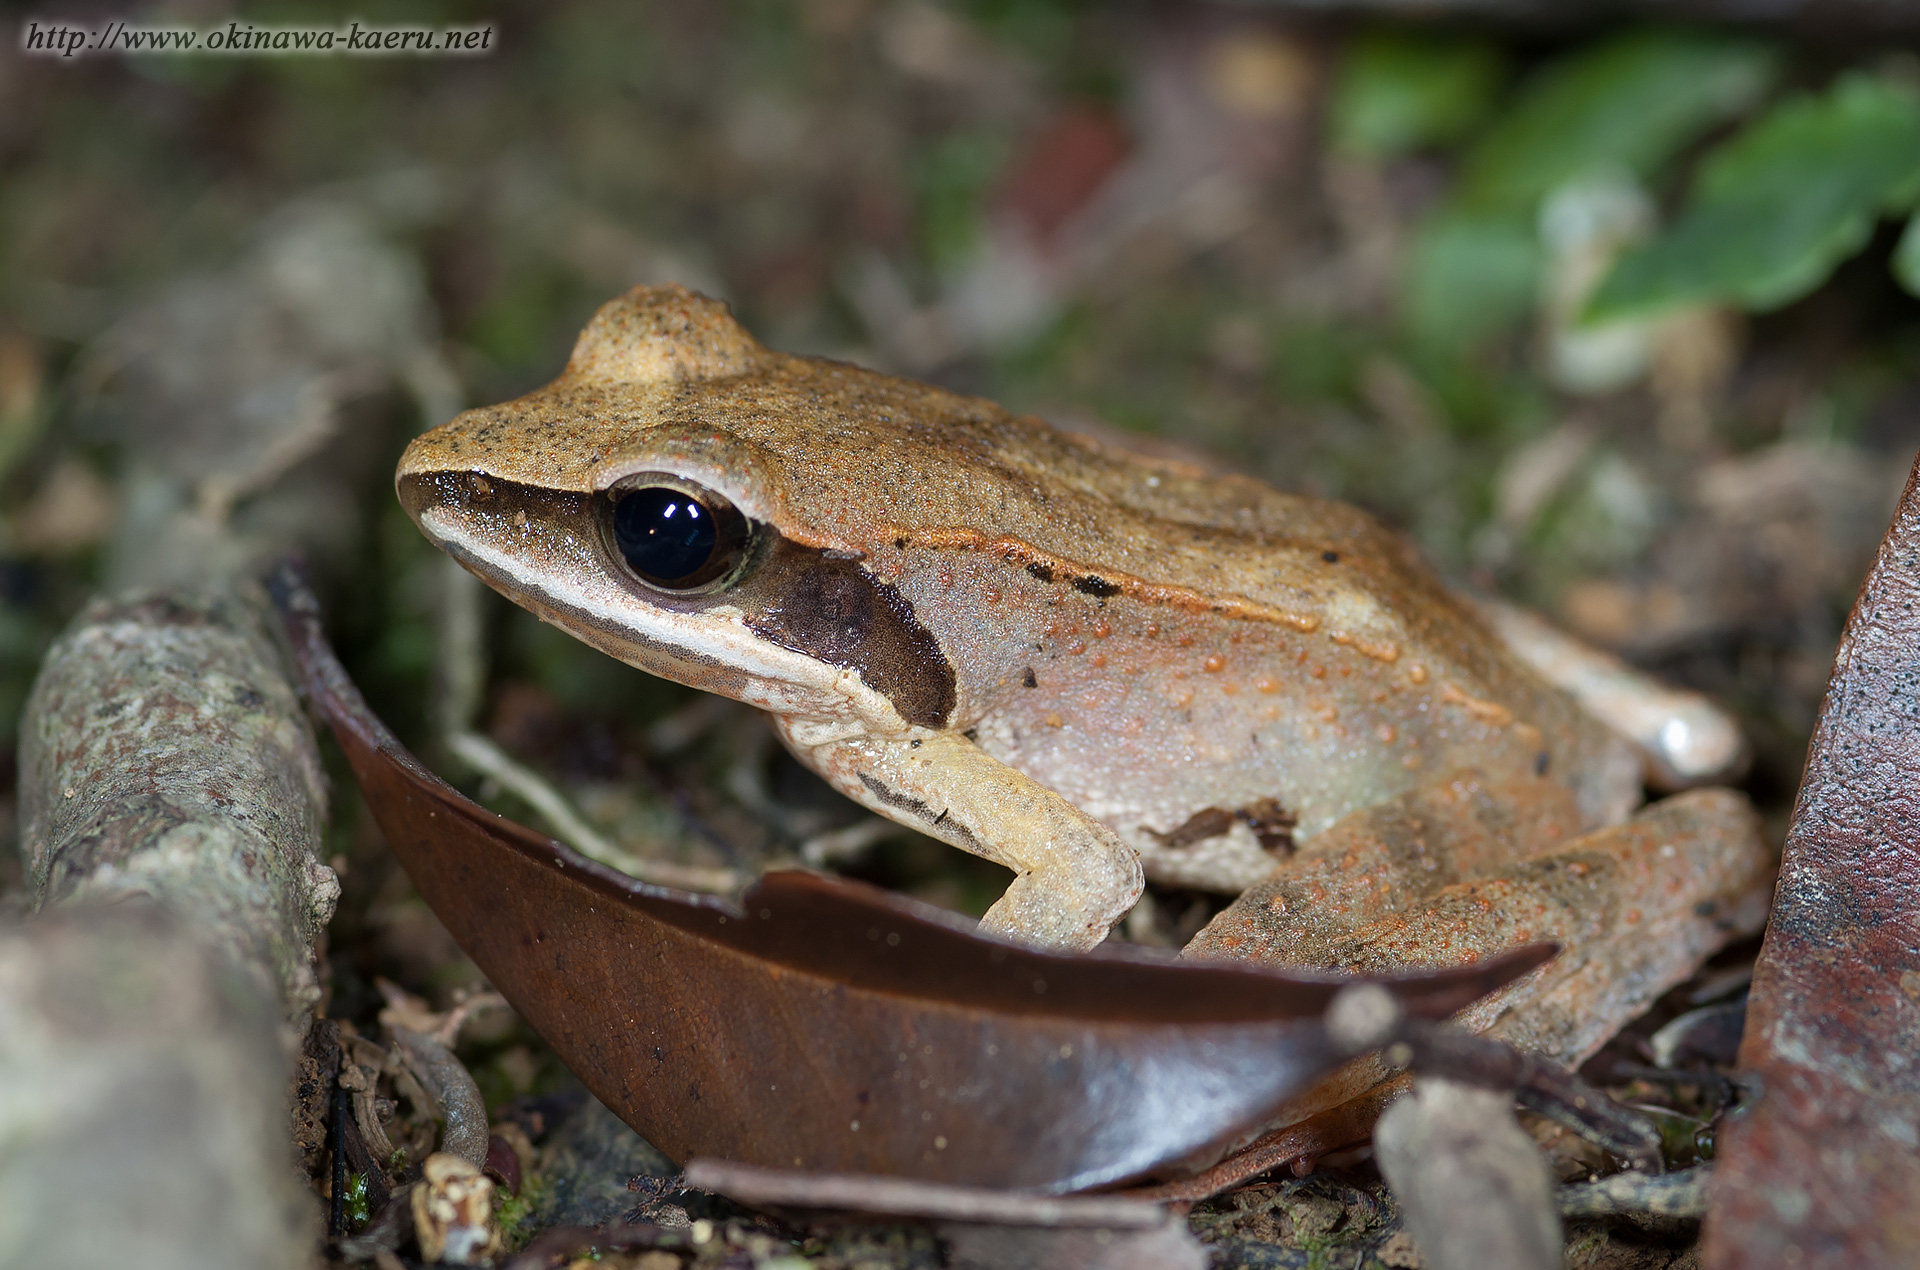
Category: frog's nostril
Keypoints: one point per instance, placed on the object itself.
(417, 492)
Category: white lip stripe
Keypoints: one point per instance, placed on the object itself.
(787, 682)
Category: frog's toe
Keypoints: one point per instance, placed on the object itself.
(1068, 909)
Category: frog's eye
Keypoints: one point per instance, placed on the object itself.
(678, 537)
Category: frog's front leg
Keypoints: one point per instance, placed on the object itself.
(1074, 878)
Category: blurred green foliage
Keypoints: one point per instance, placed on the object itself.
(1777, 207)
(950, 179)
(1770, 212)
(1471, 276)
(1906, 255)
(1044, 30)
(1402, 91)
(1628, 105)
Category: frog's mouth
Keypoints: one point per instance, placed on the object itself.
(795, 630)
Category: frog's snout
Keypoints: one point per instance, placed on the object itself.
(418, 492)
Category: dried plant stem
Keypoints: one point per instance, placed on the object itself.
(491, 761)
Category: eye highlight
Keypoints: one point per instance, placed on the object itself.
(677, 537)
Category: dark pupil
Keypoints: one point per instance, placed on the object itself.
(667, 536)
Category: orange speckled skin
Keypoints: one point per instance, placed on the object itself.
(1131, 644)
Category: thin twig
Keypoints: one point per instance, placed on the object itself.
(491, 761)
(905, 1197)
(1682, 1194)
(1365, 1017)
(839, 845)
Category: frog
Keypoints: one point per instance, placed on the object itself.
(1095, 667)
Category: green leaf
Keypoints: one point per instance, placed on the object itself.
(1628, 105)
(1776, 208)
(1470, 276)
(1398, 92)
(1906, 256)
(949, 177)
(1631, 103)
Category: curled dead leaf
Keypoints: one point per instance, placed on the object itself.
(826, 1025)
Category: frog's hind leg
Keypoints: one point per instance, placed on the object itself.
(1385, 859)
(1636, 909)
(1683, 738)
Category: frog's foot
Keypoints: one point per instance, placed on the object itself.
(1073, 877)
(1636, 908)
(1683, 738)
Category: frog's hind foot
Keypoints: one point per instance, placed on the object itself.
(1636, 908)
(1683, 738)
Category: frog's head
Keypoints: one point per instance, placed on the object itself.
(635, 503)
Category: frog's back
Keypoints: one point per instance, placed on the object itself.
(860, 458)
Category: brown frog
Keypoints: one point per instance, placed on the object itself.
(1091, 667)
